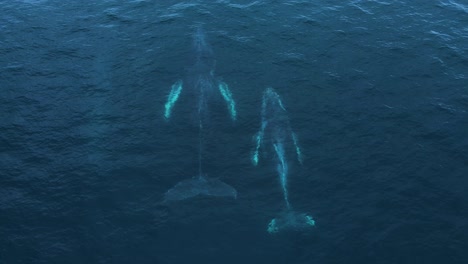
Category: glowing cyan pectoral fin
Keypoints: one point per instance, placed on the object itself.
(296, 145)
(227, 95)
(258, 142)
(258, 138)
(172, 98)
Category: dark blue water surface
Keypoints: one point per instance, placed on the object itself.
(377, 92)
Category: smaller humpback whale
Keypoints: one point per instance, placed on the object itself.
(276, 133)
(203, 88)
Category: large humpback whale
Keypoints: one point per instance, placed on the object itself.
(204, 88)
(276, 133)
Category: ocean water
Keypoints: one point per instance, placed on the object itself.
(376, 91)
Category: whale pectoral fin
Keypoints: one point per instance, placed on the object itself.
(227, 95)
(256, 153)
(296, 145)
(172, 98)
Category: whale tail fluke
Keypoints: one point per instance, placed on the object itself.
(199, 186)
(290, 221)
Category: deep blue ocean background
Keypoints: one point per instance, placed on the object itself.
(377, 92)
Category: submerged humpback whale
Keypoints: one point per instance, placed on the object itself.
(204, 88)
(276, 133)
